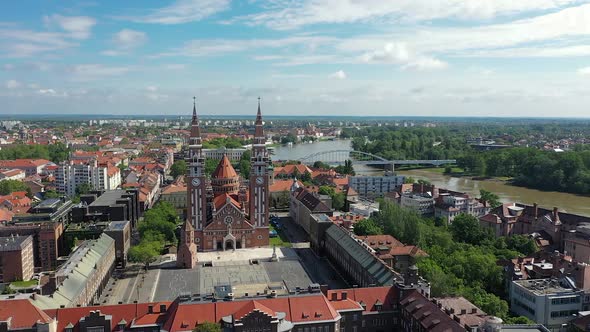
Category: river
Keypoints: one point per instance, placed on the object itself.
(566, 202)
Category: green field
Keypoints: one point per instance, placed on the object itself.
(23, 284)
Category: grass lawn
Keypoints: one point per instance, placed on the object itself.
(23, 284)
(279, 241)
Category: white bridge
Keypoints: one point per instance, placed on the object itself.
(338, 157)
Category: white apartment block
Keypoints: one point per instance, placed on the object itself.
(375, 186)
(69, 176)
(551, 302)
(423, 205)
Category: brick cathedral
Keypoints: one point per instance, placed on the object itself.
(225, 211)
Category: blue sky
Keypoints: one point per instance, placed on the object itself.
(303, 57)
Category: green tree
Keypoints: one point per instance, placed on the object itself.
(51, 194)
(321, 165)
(10, 186)
(525, 245)
(338, 201)
(145, 252)
(83, 189)
(208, 327)
(490, 198)
(367, 227)
(466, 228)
(178, 168)
(245, 165)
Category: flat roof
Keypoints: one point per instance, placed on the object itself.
(108, 198)
(546, 286)
(50, 202)
(117, 225)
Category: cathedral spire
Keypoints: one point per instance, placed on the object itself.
(259, 131)
(195, 129)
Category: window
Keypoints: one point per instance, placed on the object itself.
(95, 329)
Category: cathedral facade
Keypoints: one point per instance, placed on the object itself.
(225, 210)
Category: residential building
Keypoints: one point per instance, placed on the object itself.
(82, 278)
(12, 174)
(422, 204)
(16, 258)
(394, 253)
(175, 194)
(463, 312)
(364, 208)
(303, 204)
(418, 313)
(70, 175)
(375, 186)
(449, 204)
(49, 210)
(551, 302)
(30, 166)
(47, 240)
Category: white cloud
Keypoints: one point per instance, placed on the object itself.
(78, 27)
(400, 54)
(12, 84)
(125, 41)
(151, 88)
(88, 72)
(128, 38)
(183, 11)
(585, 71)
(283, 15)
(340, 75)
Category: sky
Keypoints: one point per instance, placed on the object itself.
(525, 58)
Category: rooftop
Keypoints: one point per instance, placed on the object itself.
(548, 286)
(13, 243)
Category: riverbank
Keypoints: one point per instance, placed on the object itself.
(507, 192)
(457, 172)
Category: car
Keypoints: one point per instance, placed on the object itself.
(273, 234)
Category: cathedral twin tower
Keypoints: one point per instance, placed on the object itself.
(225, 211)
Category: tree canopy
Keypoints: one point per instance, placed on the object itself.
(178, 168)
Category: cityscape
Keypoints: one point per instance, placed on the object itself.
(147, 185)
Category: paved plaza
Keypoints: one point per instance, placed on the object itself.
(243, 277)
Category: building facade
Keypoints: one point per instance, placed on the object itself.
(551, 302)
(70, 175)
(375, 186)
(228, 212)
(16, 258)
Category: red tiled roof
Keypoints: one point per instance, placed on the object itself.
(23, 313)
(283, 185)
(386, 296)
(24, 163)
(221, 200)
(251, 306)
(119, 312)
(224, 169)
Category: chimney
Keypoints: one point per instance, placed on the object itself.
(536, 207)
(150, 309)
(344, 295)
(555, 215)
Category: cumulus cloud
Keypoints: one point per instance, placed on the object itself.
(182, 11)
(12, 84)
(340, 75)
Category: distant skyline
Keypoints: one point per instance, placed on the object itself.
(498, 58)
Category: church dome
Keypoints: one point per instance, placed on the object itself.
(224, 179)
(224, 169)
